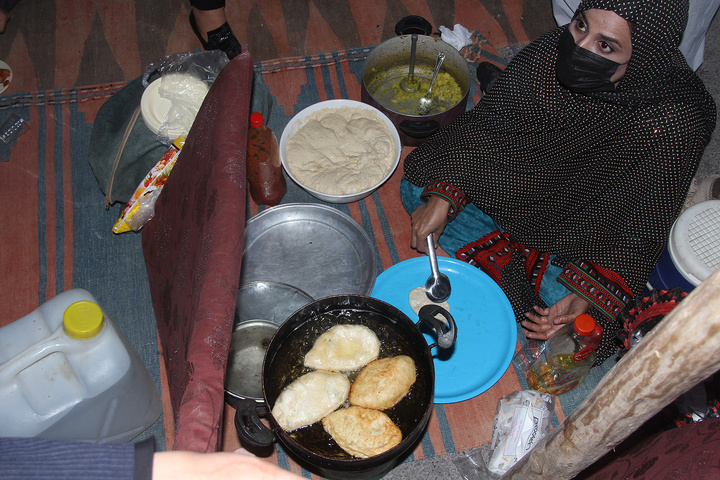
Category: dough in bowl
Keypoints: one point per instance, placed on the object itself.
(341, 151)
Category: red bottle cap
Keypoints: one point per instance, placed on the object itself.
(256, 120)
(584, 324)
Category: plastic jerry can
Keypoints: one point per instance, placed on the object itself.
(67, 372)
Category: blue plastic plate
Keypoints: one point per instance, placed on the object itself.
(486, 328)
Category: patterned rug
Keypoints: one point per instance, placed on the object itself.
(62, 43)
(57, 233)
(302, 81)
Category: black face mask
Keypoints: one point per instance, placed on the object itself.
(581, 70)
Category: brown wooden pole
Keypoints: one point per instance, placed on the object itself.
(681, 351)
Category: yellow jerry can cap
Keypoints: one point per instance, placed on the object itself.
(83, 320)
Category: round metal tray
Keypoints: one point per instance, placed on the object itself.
(270, 301)
(312, 247)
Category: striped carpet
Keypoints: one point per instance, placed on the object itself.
(302, 81)
(69, 57)
(56, 232)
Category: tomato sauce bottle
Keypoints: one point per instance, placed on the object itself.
(264, 171)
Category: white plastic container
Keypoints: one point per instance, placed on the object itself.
(66, 371)
(693, 249)
(694, 243)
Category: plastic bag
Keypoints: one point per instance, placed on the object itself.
(521, 421)
(185, 94)
(205, 66)
(183, 82)
(697, 404)
(524, 358)
(458, 37)
(472, 464)
(141, 207)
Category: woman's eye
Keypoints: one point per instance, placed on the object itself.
(605, 47)
(581, 25)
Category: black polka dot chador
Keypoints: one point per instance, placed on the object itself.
(597, 177)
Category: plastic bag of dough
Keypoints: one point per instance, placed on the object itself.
(521, 421)
(185, 94)
(182, 80)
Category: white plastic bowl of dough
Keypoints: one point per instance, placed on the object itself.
(300, 120)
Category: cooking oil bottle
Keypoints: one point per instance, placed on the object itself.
(568, 356)
(68, 372)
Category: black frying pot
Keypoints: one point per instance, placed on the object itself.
(398, 335)
(394, 53)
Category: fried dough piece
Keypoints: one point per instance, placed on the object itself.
(383, 383)
(343, 348)
(362, 432)
(309, 398)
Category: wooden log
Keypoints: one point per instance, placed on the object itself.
(681, 351)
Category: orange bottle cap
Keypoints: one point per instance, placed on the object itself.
(256, 120)
(584, 324)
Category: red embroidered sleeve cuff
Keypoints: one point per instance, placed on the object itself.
(454, 196)
(603, 288)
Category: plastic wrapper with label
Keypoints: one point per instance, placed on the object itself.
(521, 421)
(141, 207)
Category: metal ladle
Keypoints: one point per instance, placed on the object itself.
(409, 84)
(426, 102)
(437, 287)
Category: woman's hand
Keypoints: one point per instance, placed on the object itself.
(546, 321)
(430, 217)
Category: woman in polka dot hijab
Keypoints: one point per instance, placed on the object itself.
(563, 182)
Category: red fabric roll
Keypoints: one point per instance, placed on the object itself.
(193, 250)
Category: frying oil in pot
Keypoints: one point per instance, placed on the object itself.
(287, 365)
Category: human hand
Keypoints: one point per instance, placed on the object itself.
(430, 217)
(546, 321)
(175, 465)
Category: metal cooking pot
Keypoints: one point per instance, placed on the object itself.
(249, 343)
(311, 446)
(260, 309)
(395, 53)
